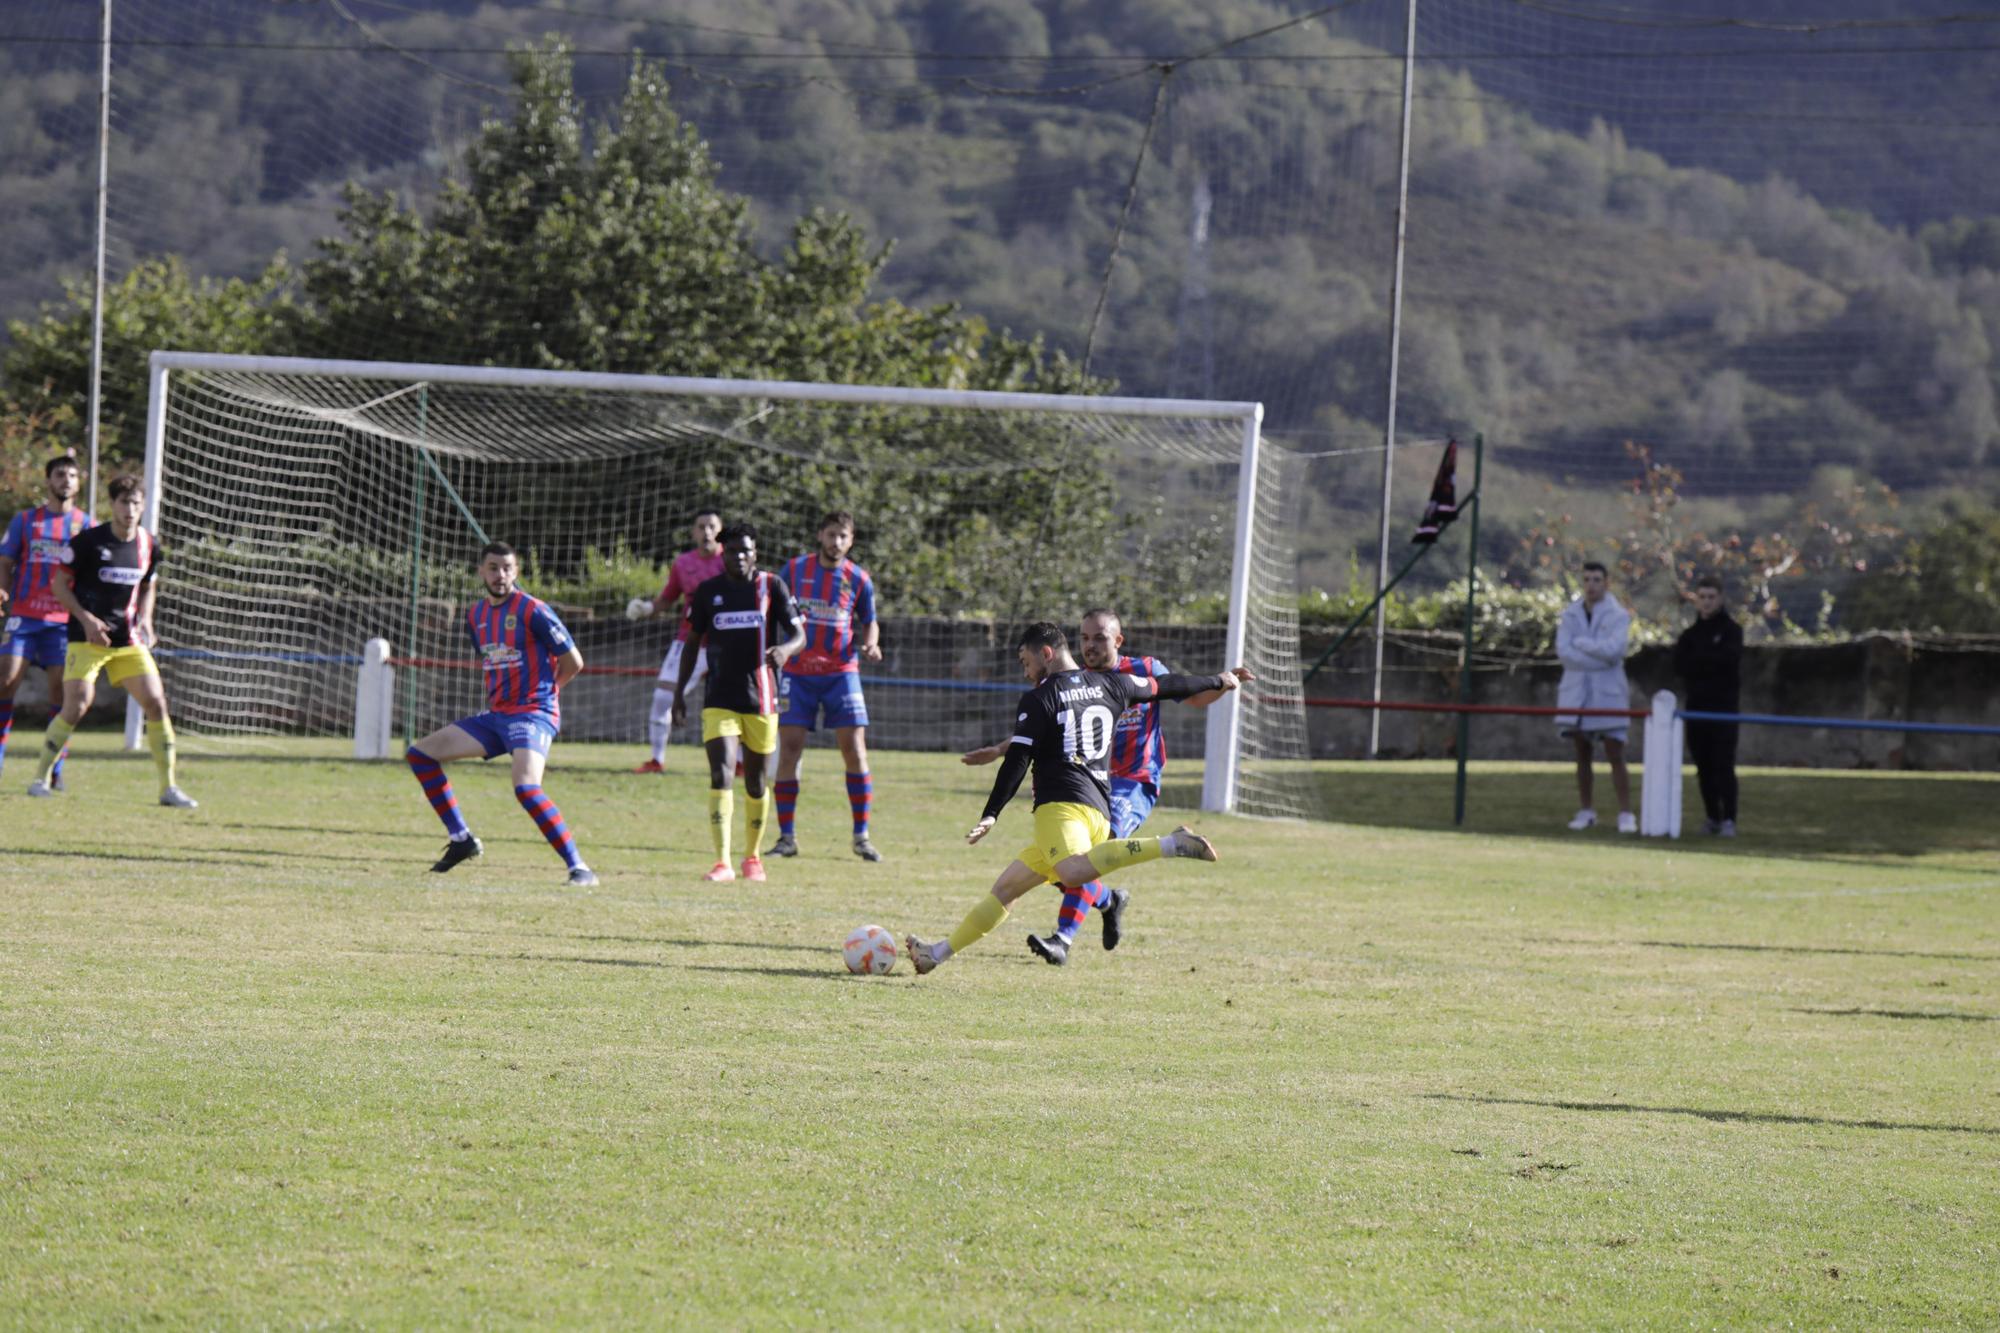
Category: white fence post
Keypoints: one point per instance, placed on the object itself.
(374, 701)
(1660, 787)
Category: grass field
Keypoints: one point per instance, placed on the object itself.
(258, 1067)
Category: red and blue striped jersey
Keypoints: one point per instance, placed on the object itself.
(518, 642)
(37, 541)
(835, 603)
(1138, 747)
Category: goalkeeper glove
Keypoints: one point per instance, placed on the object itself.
(638, 609)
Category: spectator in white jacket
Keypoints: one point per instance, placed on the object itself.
(1590, 640)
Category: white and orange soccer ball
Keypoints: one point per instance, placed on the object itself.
(871, 951)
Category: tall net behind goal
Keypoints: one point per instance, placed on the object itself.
(308, 507)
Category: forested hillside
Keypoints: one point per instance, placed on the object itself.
(1760, 249)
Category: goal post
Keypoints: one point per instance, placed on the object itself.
(308, 506)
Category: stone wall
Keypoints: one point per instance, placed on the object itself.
(1875, 677)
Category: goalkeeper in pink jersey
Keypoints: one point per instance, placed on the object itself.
(690, 570)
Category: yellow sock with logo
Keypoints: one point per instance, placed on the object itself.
(53, 741)
(1122, 852)
(756, 814)
(721, 809)
(160, 740)
(978, 923)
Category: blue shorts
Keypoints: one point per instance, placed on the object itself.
(504, 733)
(1131, 803)
(800, 699)
(44, 643)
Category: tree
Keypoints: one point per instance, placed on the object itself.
(613, 248)
(1947, 581)
(29, 438)
(159, 304)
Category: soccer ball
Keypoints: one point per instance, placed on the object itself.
(871, 951)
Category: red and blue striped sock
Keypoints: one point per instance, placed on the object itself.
(6, 726)
(430, 776)
(787, 794)
(550, 821)
(860, 796)
(1076, 905)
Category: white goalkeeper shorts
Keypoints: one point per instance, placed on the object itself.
(670, 670)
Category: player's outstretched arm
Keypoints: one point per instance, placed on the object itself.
(1187, 687)
(1206, 697)
(985, 754)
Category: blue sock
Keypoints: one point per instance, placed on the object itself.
(437, 789)
(1076, 905)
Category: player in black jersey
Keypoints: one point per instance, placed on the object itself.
(106, 582)
(752, 627)
(1063, 731)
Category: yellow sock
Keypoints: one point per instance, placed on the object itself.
(53, 741)
(721, 807)
(160, 740)
(979, 922)
(756, 814)
(1122, 852)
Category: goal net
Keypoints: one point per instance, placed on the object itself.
(307, 507)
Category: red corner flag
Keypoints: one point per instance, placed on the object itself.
(1443, 507)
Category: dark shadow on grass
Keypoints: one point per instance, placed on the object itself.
(1817, 949)
(1932, 1015)
(210, 856)
(551, 958)
(818, 973)
(705, 944)
(1720, 1117)
(329, 830)
(674, 942)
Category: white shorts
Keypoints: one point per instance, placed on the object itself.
(670, 670)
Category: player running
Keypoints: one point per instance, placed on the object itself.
(837, 598)
(690, 570)
(1138, 759)
(107, 581)
(751, 627)
(36, 632)
(527, 657)
(1063, 729)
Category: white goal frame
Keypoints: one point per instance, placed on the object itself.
(1224, 717)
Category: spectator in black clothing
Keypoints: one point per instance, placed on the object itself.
(1709, 657)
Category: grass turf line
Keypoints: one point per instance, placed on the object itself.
(257, 1065)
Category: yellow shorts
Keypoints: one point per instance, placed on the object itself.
(759, 731)
(1062, 829)
(119, 665)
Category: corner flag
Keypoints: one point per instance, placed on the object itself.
(1443, 506)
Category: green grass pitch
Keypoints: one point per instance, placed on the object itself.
(258, 1067)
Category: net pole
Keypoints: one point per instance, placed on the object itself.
(1225, 716)
(97, 297)
(1395, 348)
(156, 448)
(1471, 615)
(416, 562)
